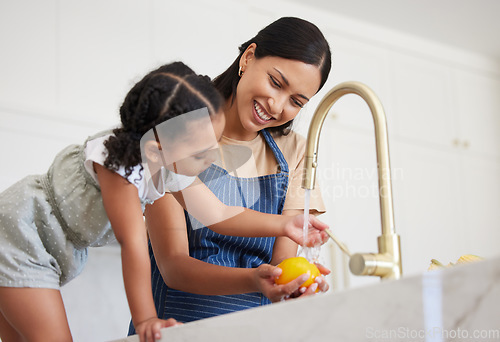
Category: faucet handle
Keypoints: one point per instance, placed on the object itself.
(380, 265)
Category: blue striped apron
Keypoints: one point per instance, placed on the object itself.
(265, 194)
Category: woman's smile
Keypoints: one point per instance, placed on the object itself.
(260, 114)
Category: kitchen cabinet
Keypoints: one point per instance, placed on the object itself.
(479, 186)
(446, 106)
(99, 61)
(478, 113)
(447, 141)
(29, 55)
(422, 106)
(359, 61)
(428, 197)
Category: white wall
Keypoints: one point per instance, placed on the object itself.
(65, 66)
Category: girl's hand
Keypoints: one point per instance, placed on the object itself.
(316, 230)
(149, 330)
(264, 276)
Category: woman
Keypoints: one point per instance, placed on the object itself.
(198, 273)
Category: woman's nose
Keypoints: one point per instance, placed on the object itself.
(276, 104)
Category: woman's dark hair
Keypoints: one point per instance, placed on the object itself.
(167, 92)
(287, 37)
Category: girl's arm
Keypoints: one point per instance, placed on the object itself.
(168, 235)
(200, 202)
(123, 207)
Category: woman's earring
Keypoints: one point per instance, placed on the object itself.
(240, 72)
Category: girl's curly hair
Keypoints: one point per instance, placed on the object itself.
(169, 91)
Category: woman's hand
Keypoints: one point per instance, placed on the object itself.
(316, 234)
(149, 330)
(264, 276)
(319, 284)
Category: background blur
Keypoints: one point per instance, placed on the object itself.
(65, 67)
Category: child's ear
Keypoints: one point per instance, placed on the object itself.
(152, 151)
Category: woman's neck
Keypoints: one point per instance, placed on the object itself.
(234, 128)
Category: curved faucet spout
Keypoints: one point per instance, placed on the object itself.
(386, 264)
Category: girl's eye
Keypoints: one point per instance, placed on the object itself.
(199, 156)
(274, 81)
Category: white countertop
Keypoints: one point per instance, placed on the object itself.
(459, 304)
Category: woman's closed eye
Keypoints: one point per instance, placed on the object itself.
(274, 81)
(297, 103)
(277, 84)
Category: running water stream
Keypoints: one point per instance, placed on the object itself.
(310, 253)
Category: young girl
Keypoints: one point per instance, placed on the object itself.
(96, 192)
(200, 273)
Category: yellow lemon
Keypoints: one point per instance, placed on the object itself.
(295, 267)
